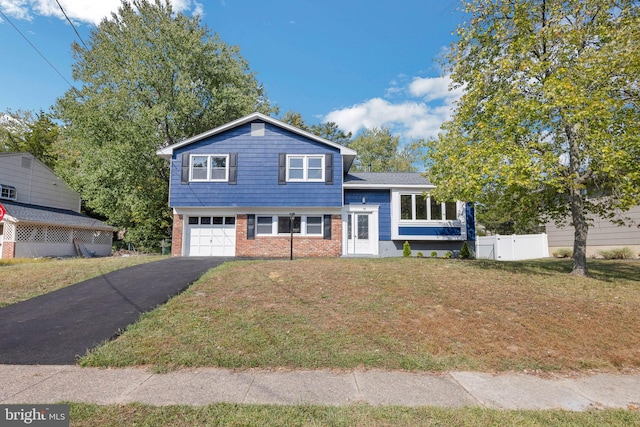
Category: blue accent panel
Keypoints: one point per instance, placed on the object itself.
(471, 222)
(257, 173)
(429, 231)
(374, 197)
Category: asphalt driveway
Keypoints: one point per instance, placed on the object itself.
(57, 328)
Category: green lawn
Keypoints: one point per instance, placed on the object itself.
(21, 279)
(224, 414)
(413, 314)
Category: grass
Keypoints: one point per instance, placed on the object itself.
(21, 279)
(402, 313)
(225, 414)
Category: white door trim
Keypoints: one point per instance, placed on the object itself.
(349, 244)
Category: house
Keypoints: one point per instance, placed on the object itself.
(603, 234)
(42, 214)
(246, 188)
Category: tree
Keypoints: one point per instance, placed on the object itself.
(548, 121)
(149, 78)
(24, 134)
(378, 151)
(326, 130)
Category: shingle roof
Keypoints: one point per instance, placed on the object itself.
(22, 212)
(391, 179)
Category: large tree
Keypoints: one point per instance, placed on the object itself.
(148, 78)
(549, 120)
(380, 151)
(21, 132)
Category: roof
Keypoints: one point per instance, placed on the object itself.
(167, 152)
(386, 180)
(35, 214)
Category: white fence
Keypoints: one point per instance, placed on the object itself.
(513, 248)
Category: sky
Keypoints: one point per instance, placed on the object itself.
(362, 64)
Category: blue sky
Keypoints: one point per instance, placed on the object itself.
(361, 64)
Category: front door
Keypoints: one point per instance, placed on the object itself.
(359, 235)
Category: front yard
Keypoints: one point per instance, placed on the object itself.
(413, 314)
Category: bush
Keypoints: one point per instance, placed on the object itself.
(420, 255)
(434, 254)
(465, 253)
(563, 253)
(617, 253)
(448, 255)
(406, 249)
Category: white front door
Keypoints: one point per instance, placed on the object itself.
(362, 233)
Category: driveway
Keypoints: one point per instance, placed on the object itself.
(58, 327)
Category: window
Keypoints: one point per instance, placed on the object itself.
(305, 168)
(302, 225)
(283, 225)
(418, 207)
(7, 192)
(193, 220)
(314, 225)
(209, 167)
(265, 225)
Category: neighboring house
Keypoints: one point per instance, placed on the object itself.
(242, 188)
(603, 234)
(43, 214)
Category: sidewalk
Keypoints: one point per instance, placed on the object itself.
(51, 384)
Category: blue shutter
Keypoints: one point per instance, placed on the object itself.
(251, 227)
(282, 168)
(327, 227)
(233, 168)
(184, 177)
(328, 169)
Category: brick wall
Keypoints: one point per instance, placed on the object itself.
(279, 246)
(176, 235)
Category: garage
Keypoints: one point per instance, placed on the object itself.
(211, 236)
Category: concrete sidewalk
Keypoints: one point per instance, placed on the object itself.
(55, 383)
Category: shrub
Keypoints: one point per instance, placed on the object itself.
(420, 255)
(434, 254)
(563, 253)
(448, 255)
(406, 249)
(465, 253)
(617, 253)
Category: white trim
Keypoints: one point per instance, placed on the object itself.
(397, 222)
(374, 232)
(303, 225)
(167, 152)
(209, 157)
(305, 167)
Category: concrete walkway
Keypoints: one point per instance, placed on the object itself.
(55, 383)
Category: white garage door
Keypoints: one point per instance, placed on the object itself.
(211, 236)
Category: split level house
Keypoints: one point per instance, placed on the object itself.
(41, 214)
(245, 188)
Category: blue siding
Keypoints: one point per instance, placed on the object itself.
(429, 231)
(374, 197)
(471, 222)
(257, 183)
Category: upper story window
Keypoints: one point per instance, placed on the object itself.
(418, 207)
(305, 167)
(7, 192)
(209, 167)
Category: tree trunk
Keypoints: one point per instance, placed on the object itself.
(577, 204)
(580, 236)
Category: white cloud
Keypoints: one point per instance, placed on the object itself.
(79, 10)
(410, 118)
(431, 88)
